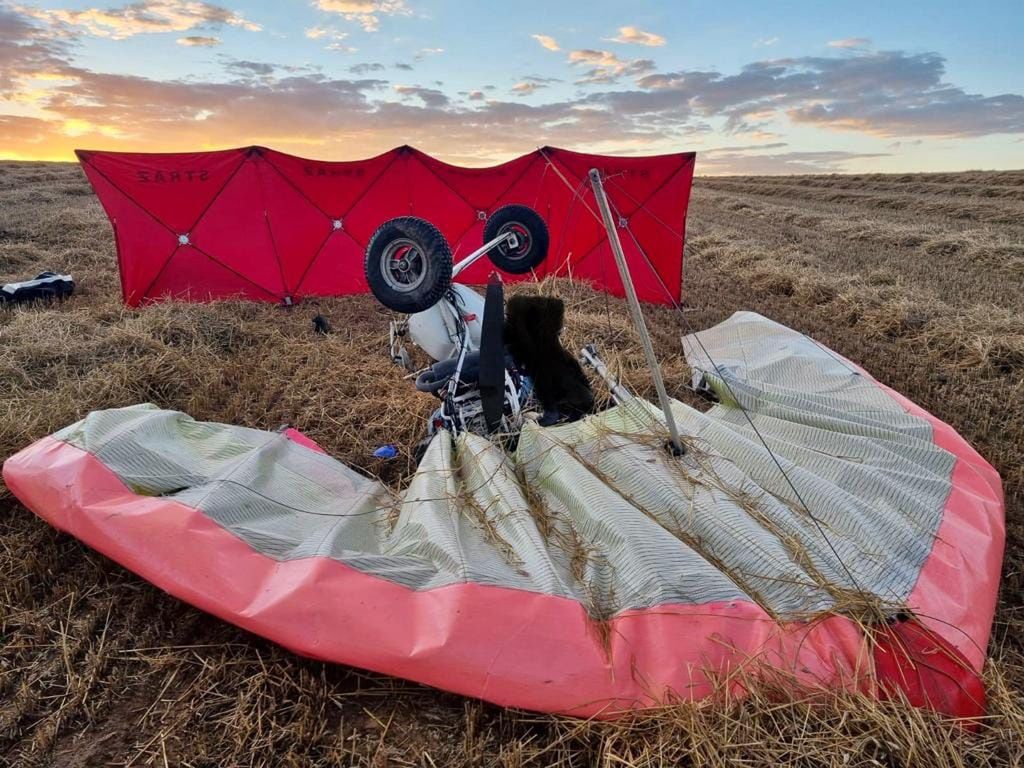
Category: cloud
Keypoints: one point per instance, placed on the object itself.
(636, 36)
(366, 13)
(766, 42)
(365, 69)
(26, 50)
(199, 40)
(243, 68)
(21, 130)
(547, 41)
(530, 83)
(739, 160)
(317, 33)
(525, 87)
(404, 67)
(475, 95)
(329, 33)
(337, 115)
(900, 144)
(145, 17)
(884, 93)
(430, 97)
(746, 148)
(422, 53)
(850, 42)
(606, 67)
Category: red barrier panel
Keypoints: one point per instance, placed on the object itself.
(264, 225)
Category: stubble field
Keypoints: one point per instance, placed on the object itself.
(919, 278)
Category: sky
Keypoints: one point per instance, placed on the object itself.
(752, 87)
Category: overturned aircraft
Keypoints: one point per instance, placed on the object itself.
(812, 527)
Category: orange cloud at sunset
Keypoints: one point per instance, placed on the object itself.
(139, 18)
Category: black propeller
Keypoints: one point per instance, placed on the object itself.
(492, 354)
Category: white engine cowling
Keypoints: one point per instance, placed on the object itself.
(435, 330)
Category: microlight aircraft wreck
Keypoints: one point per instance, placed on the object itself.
(813, 526)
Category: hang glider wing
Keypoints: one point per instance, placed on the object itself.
(590, 572)
(260, 224)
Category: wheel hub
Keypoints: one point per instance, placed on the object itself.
(403, 265)
(518, 243)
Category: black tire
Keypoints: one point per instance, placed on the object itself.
(408, 264)
(533, 234)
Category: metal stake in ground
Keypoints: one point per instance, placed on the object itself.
(634, 308)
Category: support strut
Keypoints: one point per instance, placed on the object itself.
(675, 444)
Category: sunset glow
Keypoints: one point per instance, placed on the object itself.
(752, 89)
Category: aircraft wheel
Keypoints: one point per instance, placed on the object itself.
(531, 233)
(408, 264)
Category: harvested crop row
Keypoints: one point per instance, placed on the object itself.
(990, 179)
(1008, 212)
(978, 265)
(921, 186)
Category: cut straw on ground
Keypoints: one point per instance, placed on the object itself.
(915, 277)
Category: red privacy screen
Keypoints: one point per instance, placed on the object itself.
(260, 224)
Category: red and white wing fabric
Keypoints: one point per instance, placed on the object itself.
(260, 224)
(590, 572)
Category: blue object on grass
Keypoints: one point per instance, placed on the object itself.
(385, 452)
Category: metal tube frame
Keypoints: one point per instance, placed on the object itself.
(509, 237)
(590, 356)
(634, 307)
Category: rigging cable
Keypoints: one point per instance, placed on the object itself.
(696, 336)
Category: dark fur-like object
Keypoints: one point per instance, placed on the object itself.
(321, 325)
(532, 325)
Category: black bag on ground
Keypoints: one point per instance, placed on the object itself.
(46, 286)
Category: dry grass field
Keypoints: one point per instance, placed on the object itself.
(918, 278)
